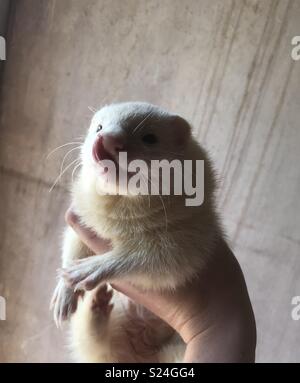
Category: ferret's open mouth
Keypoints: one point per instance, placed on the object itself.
(100, 153)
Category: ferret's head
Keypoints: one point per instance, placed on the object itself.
(144, 131)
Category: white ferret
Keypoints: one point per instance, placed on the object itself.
(157, 241)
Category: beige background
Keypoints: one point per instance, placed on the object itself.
(226, 66)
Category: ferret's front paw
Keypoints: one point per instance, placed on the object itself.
(84, 274)
(63, 302)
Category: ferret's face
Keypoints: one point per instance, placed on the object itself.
(142, 131)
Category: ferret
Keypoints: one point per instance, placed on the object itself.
(158, 243)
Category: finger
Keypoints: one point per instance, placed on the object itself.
(88, 236)
(152, 300)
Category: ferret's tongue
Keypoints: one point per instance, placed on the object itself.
(99, 152)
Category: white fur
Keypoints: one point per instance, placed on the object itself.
(147, 250)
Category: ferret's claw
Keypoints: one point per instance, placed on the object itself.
(63, 303)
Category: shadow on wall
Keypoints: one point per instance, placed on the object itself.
(4, 8)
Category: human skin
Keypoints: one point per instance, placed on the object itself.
(212, 314)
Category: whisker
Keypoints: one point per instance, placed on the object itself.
(66, 155)
(92, 109)
(61, 174)
(140, 125)
(163, 205)
(74, 170)
(61, 146)
(145, 183)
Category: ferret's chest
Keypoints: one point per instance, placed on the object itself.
(114, 218)
(108, 225)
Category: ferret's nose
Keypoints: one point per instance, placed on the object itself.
(113, 143)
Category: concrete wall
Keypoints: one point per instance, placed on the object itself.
(223, 64)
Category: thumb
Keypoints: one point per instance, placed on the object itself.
(97, 244)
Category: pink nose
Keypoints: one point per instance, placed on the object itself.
(113, 144)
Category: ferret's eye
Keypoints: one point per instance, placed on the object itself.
(99, 127)
(150, 139)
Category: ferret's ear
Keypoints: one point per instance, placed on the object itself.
(182, 130)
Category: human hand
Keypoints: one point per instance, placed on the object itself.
(212, 313)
